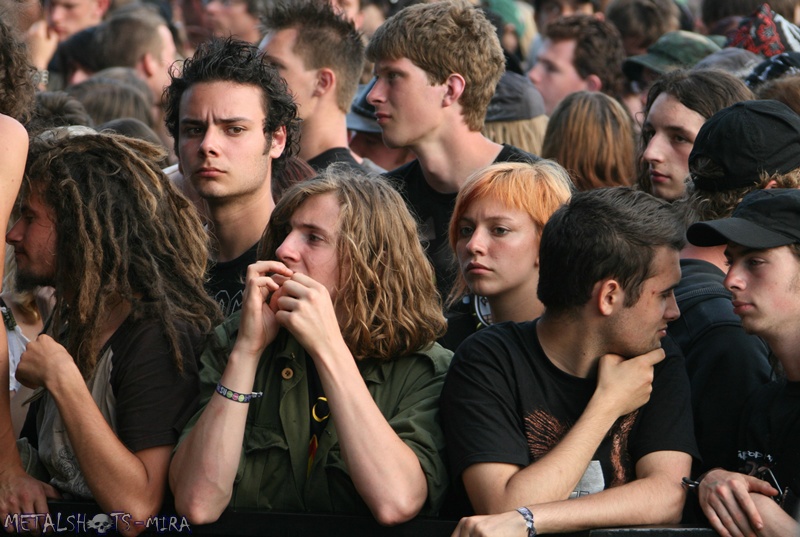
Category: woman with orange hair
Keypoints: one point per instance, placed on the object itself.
(495, 230)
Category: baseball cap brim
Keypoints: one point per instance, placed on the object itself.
(738, 230)
(357, 122)
(633, 66)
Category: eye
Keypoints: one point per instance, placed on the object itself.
(236, 129)
(501, 231)
(192, 131)
(466, 231)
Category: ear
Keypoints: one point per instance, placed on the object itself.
(609, 296)
(771, 184)
(593, 83)
(102, 7)
(326, 81)
(148, 63)
(278, 142)
(454, 85)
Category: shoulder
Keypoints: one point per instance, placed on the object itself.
(406, 169)
(433, 361)
(13, 144)
(12, 130)
(500, 337)
(143, 343)
(509, 153)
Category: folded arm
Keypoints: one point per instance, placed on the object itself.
(655, 497)
(623, 386)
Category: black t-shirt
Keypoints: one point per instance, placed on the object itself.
(434, 209)
(225, 282)
(152, 401)
(504, 401)
(770, 434)
(331, 156)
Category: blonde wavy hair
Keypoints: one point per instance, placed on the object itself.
(387, 301)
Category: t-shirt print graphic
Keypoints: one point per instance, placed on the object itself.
(543, 431)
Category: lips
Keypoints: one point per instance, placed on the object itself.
(740, 307)
(208, 171)
(474, 268)
(657, 177)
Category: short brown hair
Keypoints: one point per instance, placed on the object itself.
(324, 39)
(444, 38)
(644, 20)
(592, 136)
(785, 89)
(124, 38)
(598, 49)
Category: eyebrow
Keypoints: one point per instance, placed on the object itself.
(196, 121)
(308, 226)
(674, 129)
(743, 252)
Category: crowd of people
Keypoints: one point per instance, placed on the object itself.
(528, 267)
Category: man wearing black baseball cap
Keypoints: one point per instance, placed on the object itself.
(763, 253)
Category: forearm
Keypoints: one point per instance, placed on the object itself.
(385, 471)
(653, 500)
(117, 478)
(777, 523)
(9, 455)
(551, 478)
(204, 466)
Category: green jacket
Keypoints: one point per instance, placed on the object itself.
(273, 466)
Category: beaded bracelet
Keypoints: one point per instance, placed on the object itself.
(528, 516)
(227, 393)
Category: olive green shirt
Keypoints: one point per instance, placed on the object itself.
(273, 467)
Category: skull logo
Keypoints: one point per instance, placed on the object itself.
(100, 523)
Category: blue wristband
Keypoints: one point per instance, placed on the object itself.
(528, 516)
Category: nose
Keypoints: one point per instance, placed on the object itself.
(477, 242)
(14, 234)
(733, 280)
(287, 251)
(55, 14)
(535, 74)
(672, 312)
(376, 94)
(653, 151)
(208, 146)
(213, 7)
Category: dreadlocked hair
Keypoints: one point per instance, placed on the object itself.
(124, 234)
(386, 300)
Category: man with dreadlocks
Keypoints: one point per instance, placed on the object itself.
(126, 255)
